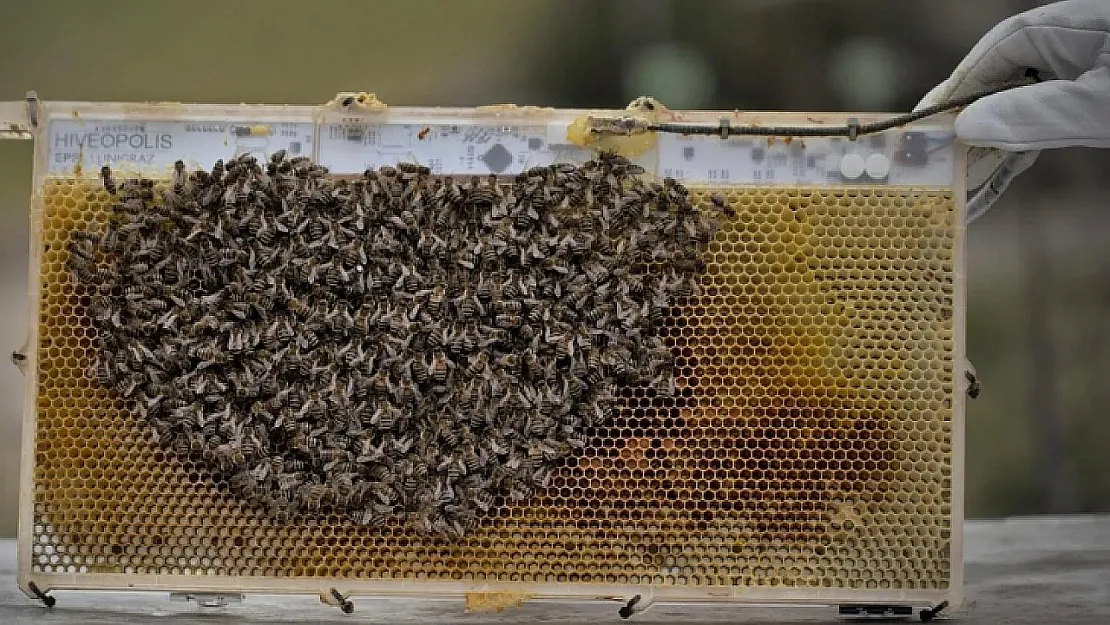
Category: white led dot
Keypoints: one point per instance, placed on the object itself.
(877, 166)
(852, 166)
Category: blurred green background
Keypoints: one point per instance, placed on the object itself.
(1039, 263)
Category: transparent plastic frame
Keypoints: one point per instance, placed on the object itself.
(759, 171)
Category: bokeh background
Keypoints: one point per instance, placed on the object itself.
(1039, 262)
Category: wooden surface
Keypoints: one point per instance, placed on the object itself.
(1029, 570)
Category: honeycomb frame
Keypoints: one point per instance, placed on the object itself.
(693, 542)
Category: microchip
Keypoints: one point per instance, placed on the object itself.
(497, 158)
(355, 134)
(911, 150)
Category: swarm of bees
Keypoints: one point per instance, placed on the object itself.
(403, 347)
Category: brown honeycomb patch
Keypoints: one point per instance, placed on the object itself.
(809, 446)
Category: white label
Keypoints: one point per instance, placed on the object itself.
(461, 149)
(92, 144)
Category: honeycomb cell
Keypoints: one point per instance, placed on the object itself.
(809, 445)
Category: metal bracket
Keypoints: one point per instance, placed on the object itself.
(931, 613)
(19, 356)
(46, 599)
(19, 359)
(626, 611)
(207, 600)
(726, 128)
(333, 597)
(974, 387)
(33, 107)
(853, 128)
(635, 605)
(15, 120)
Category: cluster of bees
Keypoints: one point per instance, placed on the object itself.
(399, 347)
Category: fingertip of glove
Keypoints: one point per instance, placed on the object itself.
(934, 96)
(978, 125)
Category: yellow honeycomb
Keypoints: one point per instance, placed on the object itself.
(810, 444)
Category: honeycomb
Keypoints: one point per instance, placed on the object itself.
(809, 445)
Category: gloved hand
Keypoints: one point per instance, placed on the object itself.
(1068, 44)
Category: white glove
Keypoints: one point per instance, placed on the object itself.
(1068, 44)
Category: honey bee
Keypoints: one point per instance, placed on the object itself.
(370, 452)
(406, 393)
(439, 367)
(467, 397)
(371, 515)
(196, 444)
(481, 192)
(287, 484)
(511, 363)
(467, 338)
(720, 203)
(297, 306)
(413, 168)
(107, 180)
(314, 496)
(466, 258)
(385, 419)
(102, 372)
(453, 470)
(330, 455)
(508, 307)
(478, 365)
(467, 306)
(401, 446)
(178, 175)
(508, 321)
(481, 498)
(449, 436)
(228, 456)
